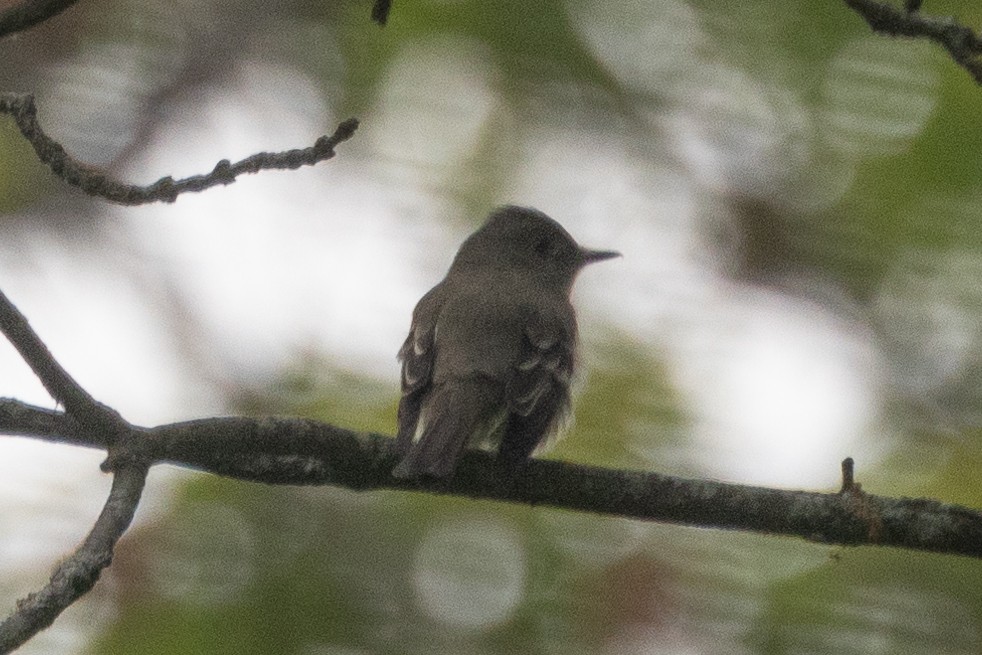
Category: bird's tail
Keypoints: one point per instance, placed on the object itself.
(453, 415)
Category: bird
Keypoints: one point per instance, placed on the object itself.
(491, 350)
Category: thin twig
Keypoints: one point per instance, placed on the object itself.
(21, 419)
(62, 386)
(96, 183)
(29, 13)
(848, 477)
(84, 415)
(77, 574)
(961, 42)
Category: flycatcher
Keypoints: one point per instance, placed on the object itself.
(492, 348)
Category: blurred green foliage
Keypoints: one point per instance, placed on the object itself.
(22, 177)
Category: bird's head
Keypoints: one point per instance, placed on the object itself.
(527, 241)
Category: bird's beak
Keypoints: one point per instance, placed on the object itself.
(588, 256)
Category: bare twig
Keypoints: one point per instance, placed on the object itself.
(96, 183)
(62, 387)
(849, 483)
(29, 13)
(961, 42)
(84, 415)
(77, 574)
(19, 418)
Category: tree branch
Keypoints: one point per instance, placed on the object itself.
(77, 574)
(29, 13)
(96, 183)
(304, 452)
(961, 42)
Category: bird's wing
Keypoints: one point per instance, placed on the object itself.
(539, 390)
(418, 354)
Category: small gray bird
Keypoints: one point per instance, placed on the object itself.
(492, 348)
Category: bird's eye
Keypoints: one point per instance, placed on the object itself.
(544, 247)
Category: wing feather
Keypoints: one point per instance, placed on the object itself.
(418, 355)
(539, 394)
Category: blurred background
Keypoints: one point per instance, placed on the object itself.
(797, 201)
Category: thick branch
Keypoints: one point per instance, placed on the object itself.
(963, 44)
(76, 575)
(29, 13)
(96, 183)
(305, 452)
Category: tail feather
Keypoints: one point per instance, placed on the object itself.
(410, 405)
(453, 415)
